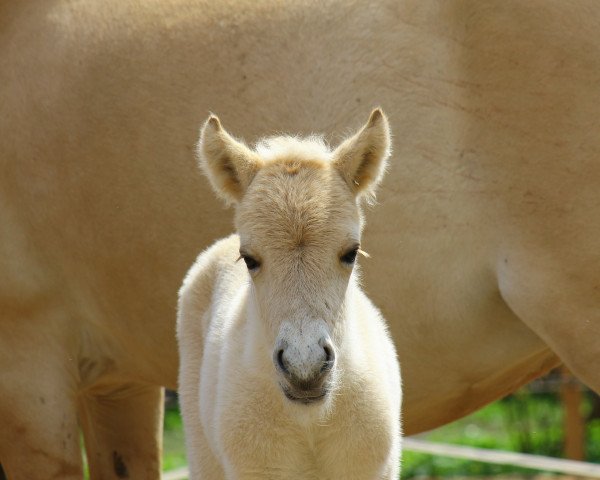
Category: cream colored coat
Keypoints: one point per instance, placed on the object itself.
(484, 244)
(297, 214)
(237, 419)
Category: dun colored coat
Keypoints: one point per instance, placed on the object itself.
(484, 243)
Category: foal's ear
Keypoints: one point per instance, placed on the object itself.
(362, 158)
(229, 164)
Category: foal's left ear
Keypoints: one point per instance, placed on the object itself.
(362, 158)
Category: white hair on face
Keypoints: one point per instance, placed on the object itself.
(313, 147)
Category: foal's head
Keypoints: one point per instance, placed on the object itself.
(299, 221)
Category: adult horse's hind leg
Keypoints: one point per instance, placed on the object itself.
(560, 301)
(122, 427)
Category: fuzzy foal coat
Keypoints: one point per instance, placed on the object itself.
(296, 210)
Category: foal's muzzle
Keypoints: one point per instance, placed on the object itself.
(305, 371)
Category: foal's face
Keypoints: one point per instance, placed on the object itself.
(299, 227)
(299, 224)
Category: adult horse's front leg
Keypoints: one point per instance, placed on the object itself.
(122, 427)
(39, 435)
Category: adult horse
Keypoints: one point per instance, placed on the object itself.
(484, 248)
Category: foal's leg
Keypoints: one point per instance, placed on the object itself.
(201, 461)
(122, 427)
(39, 436)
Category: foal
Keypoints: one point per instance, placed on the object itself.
(287, 369)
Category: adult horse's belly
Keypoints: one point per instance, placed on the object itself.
(459, 344)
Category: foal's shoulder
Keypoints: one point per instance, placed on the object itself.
(221, 255)
(199, 285)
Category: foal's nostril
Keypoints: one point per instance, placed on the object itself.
(281, 362)
(329, 355)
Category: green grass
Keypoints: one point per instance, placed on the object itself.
(524, 422)
(173, 440)
(528, 423)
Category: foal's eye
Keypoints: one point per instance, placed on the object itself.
(350, 256)
(251, 263)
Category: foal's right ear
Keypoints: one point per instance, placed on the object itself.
(229, 164)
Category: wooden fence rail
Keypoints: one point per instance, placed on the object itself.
(538, 462)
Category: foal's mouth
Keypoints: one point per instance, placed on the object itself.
(305, 397)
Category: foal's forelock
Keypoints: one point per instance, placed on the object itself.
(292, 205)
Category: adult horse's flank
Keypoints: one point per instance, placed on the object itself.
(287, 369)
(484, 242)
